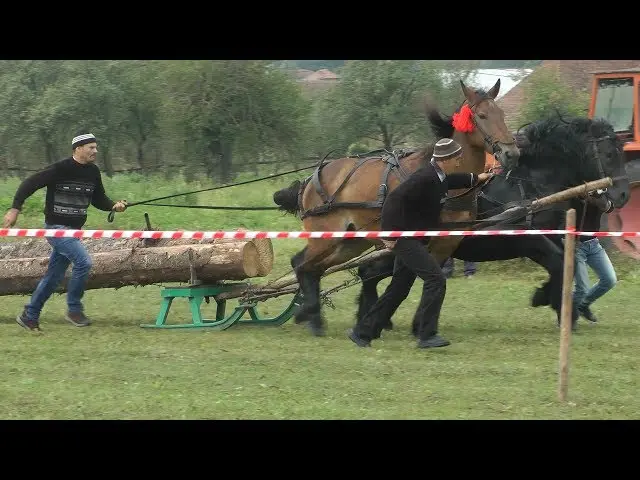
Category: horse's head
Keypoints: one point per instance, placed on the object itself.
(608, 160)
(569, 151)
(484, 122)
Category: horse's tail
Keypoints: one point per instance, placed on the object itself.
(287, 198)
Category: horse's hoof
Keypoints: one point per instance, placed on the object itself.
(358, 340)
(539, 298)
(316, 330)
(300, 316)
(388, 326)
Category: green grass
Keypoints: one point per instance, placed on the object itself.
(502, 363)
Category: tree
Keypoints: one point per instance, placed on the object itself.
(546, 94)
(224, 108)
(142, 102)
(383, 100)
(45, 103)
(24, 127)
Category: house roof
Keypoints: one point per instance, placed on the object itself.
(619, 70)
(509, 78)
(321, 75)
(301, 73)
(577, 74)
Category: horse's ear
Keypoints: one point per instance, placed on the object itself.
(469, 94)
(493, 93)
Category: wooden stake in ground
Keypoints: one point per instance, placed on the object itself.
(567, 304)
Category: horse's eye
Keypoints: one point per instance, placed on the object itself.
(482, 116)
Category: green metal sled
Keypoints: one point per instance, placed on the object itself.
(197, 293)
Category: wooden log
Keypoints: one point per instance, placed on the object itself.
(39, 247)
(230, 260)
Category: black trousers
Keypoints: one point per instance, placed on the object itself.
(412, 260)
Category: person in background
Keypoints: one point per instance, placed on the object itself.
(448, 268)
(589, 253)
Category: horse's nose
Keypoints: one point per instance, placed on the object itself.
(511, 155)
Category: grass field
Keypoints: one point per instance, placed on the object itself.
(502, 363)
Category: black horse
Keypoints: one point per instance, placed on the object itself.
(556, 153)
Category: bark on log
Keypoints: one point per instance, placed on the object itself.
(39, 247)
(214, 261)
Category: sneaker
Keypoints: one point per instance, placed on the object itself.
(586, 312)
(26, 322)
(434, 341)
(78, 319)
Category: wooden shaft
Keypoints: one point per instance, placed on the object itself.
(290, 280)
(567, 305)
(572, 192)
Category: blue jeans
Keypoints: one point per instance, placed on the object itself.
(591, 253)
(448, 267)
(66, 251)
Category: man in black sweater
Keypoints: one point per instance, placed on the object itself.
(72, 185)
(416, 204)
(590, 253)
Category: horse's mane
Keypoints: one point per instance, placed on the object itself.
(561, 143)
(440, 123)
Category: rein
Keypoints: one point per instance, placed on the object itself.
(112, 213)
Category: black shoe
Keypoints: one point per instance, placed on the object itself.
(587, 313)
(78, 319)
(355, 338)
(26, 322)
(433, 342)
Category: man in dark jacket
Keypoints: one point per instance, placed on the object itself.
(72, 185)
(416, 204)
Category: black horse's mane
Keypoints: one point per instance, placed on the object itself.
(559, 142)
(555, 142)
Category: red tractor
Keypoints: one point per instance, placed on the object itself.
(615, 96)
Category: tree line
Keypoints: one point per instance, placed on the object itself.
(212, 118)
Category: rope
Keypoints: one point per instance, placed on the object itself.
(211, 207)
(112, 213)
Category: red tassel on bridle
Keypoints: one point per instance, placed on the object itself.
(462, 121)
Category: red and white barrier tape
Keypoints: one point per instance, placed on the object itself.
(196, 235)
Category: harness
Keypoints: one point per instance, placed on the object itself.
(527, 203)
(392, 161)
(452, 203)
(506, 206)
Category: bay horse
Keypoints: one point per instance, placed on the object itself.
(347, 194)
(555, 154)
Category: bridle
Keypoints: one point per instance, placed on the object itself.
(488, 139)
